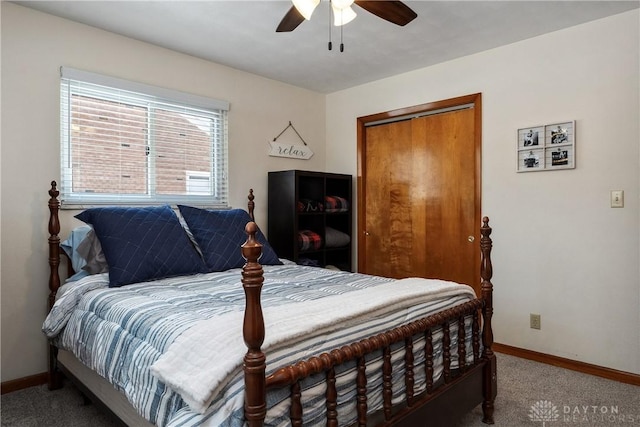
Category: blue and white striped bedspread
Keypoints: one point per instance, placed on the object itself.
(121, 332)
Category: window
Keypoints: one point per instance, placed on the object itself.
(128, 143)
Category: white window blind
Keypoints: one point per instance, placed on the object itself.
(126, 143)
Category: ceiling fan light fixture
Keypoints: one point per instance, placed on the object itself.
(306, 7)
(394, 11)
(342, 16)
(341, 4)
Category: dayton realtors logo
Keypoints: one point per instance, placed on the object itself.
(545, 411)
(597, 414)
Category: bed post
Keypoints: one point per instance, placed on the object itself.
(54, 243)
(251, 205)
(486, 272)
(255, 406)
(54, 378)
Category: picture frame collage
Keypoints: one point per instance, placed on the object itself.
(546, 147)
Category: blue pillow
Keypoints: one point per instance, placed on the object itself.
(142, 244)
(220, 234)
(84, 250)
(70, 246)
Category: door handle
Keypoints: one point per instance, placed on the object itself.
(471, 239)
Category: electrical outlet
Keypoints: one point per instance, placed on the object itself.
(534, 321)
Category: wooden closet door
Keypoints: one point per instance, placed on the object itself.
(390, 223)
(448, 185)
(420, 198)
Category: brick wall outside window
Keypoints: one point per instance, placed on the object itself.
(110, 153)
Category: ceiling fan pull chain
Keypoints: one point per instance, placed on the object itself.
(330, 13)
(341, 44)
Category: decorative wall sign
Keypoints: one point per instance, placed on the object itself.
(292, 151)
(547, 147)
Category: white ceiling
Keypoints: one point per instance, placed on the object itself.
(241, 34)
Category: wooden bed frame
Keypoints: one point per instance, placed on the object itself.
(442, 403)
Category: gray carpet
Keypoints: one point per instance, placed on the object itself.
(529, 394)
(570, 398)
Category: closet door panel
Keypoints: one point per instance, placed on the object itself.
(390, 186)
(449, 194)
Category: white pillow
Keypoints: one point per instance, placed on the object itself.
(334, 238)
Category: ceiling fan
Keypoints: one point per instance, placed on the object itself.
(393, 11)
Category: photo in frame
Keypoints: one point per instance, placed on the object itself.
(559, 158)
(547, 147)
(532, 137)
(531, 160)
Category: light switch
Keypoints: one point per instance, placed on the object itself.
(617, 198)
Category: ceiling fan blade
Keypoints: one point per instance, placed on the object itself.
(393, 11)
(290, 21)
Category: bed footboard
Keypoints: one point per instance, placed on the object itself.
(465, 386)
